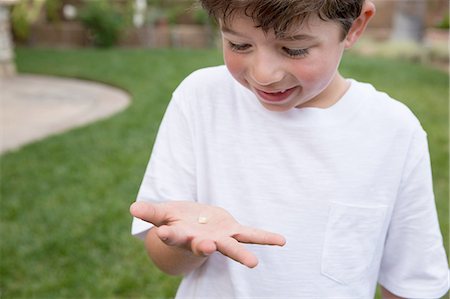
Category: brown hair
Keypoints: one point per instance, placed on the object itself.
(280, 15)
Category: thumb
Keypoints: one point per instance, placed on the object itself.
(150, 212)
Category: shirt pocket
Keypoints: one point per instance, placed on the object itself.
(352, 237)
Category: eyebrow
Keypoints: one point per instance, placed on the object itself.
(230, 31)
(297, 37)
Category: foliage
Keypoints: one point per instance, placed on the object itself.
(155, 15)
(64, 221)
(23, 14)
(184, 12)
(20, 23)
(445, 22)
(201, 16)
(175, 11)
(52, 8)
(103, 21)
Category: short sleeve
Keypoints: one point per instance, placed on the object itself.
(170, 173)
(414, 263)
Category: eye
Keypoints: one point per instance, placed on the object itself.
(296, 53)
(238, 47)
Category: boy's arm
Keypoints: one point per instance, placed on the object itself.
(187, 232)
(388, 295)
(169, 259)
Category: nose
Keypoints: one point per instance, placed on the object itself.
(265, 69)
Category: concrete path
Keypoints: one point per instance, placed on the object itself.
(34, 107)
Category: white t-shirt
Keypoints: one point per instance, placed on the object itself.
(348, 186)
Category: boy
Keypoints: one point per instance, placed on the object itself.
(279, 141)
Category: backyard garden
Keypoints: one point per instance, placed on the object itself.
(65, 226)
(64, 201)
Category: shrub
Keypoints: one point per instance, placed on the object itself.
(445, 22)
(20, 22)
(52, 9)
(103, 22)
(23, 14)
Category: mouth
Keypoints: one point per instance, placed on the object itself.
(275, 96)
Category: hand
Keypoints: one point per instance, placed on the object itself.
(204, 229)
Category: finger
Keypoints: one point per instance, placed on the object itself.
(172, 236)
(258, 236)
(150, 212)
(203, 247)
(236, 251)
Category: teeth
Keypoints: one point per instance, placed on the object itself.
(277, 92)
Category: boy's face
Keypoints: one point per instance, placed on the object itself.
(298, 70)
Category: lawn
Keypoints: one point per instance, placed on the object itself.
(64, 201)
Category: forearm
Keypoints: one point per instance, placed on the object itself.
(388, 295)
(169, 259)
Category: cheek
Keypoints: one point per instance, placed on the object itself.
(317, 71)
(236, 66)
(233, 62)
(311, 74)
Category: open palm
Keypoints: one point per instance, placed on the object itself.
(204, 229)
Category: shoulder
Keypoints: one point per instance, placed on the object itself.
(386, 111)
(207, 91)
(206, 80)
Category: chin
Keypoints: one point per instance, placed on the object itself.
(277, 108)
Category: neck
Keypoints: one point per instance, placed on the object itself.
(330, 95)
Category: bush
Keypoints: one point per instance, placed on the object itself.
(445, 22)
(23, 14)
(103, 22)
(20, 22)
(52, 9)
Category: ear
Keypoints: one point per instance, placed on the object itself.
(360, 24)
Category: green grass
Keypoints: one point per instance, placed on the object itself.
(64, 201)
